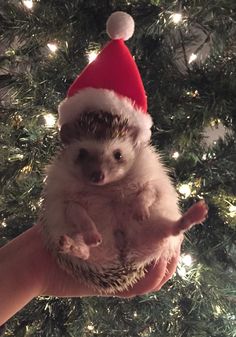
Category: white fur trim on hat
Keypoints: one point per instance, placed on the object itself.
(91, 99)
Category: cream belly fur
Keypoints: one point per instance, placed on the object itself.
(113, 208)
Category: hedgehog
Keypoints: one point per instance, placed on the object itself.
(109, 206)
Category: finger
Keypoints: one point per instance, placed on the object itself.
(171, 268)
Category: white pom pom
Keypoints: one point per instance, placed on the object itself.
(120, 25)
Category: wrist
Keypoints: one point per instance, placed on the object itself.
(20, 278)
(39, 262)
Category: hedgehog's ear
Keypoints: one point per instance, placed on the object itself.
(69, 132)
(133, 134)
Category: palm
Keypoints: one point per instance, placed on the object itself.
(57, 282)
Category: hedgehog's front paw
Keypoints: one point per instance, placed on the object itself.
(74, 245)
(141, 212)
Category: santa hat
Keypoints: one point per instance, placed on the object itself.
(111, 82)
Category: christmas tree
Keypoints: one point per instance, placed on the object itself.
(186, 53)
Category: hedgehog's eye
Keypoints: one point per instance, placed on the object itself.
(117, 155)
(83, 153)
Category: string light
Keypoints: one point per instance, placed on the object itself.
(50, 120)
(92, 56)
(192, 58)
(26, 169)
(4, 224)
(33, 206)
(28, 3)
(40, 202)
(194, 93)
(175, 155)
(16, 121)
(187, 260)
(185, 190)
(176, 18)
(217, 311)
(232, 211)
(15, 157)
(215, 122)
(90, 327)
(53, 47)
(10, 52)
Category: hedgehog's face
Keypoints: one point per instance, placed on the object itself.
(101, 162)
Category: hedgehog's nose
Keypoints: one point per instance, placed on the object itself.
(97, 176)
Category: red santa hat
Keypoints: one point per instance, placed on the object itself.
(111, 82)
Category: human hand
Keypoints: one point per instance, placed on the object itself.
(28, 270)
(57, 282)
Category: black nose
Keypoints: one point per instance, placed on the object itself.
(97, 176)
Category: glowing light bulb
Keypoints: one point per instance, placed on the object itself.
(92, 56)
(192, 58)
(217, 311)
(175, 155)
(176, 18)
(40, 202)
(26, 169)
(53, 47)
(50, 120)
(195, 93)
(185, 190)
(215, 122)
(90, 327)
(187, 260)
(3, 224)
(28, 3)
(232, 211)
